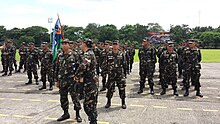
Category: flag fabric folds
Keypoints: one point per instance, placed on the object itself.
(57, 38)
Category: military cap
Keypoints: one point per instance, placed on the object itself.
(115, 42)
(79, 40)
(170, 42)
(31, 43)
(107, 42)
(88, 42)
(23, 43)
(9, 41)
(71, 42)
(66, 41)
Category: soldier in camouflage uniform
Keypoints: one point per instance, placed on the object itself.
(3, 56)
(23, 57)
(32, 58)
(180, 50)
(116, 67)
(86, 74)
(104, 65)
(97, 52)
(46, 66)
(168, 61)
(147, 57)
(132, 53)
(67, 66)
(14, 57)
(191, 63)
(127, 55)
(8, 60)
(159, 52)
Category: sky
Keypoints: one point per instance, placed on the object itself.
(26, 13)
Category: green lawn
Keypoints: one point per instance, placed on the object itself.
(208, 55)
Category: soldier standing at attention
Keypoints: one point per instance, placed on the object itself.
(132, 53)
(32, 58)
(23, 57)
(169, 61)
(147, 57)
(46, 66)
(67, 66)
(104, 64)
(3, 57)
(8, 60)
(116, 67)
(97, 53)
(86, 74)
(191, 63)
(159, 52)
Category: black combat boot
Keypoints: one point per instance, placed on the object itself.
(163, 91)
(123, 105)
(103, 89)
(43, 87)
(186, 92)
(10, 73)
(51, 86)
(175, 92)
(78, 118)
(4, 74)
(2, 71)
(37, 83)
(65, 116)
(141, 88)
(108, 103)
(29, 82)
(24, 70)
(151, 90)
(93, 122)
(198, 93)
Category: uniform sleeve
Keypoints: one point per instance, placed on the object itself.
(199, 56)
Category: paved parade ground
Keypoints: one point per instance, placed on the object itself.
(25, 104)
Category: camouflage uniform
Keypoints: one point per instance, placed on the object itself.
(14, 58)
(147, 57)
(103, 66)
(87, 74)
(161, 69)
(3, 57)
(180, 61)
(23, 58)
(32, 60)
(116, 67)
(67, 65)
(46, 68)
(132, 53)
(192, 66)
(8, 60)
(169, 65)
(97, 53)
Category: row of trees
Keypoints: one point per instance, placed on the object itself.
(128, 33)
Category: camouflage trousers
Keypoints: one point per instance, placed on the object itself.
(32, 69)
(46, 74)
(69, 88)
(90, 101)
(146, 71)
(194, 74)
(22, 63)
(120, 83)
(8, 64)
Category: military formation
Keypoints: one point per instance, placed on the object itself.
(79, 64)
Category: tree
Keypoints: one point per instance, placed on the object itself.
(2, 33)
(26, 39)
(155, 27)
(92, 31)
(74, 33)
(108, 32)
(179, 33)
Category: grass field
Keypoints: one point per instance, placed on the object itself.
(208, 55)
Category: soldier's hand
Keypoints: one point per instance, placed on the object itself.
(58, 84)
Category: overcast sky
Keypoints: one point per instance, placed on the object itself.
(25, 13)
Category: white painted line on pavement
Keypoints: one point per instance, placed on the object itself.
(205, 97)
(21, 116)
(17, 99)
(53, 101)
(163, 107)
(50, 118)
(12, 88)
(218, 97)
(185, 109)
(102, 122)
(26, 89)
(129, 84)
(208, 110)
(2, 98)
(4, 115)
(136, 105)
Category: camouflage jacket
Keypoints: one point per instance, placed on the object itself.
(116, 63)
(32, 57)
(97, 53)
(46, 59)
(23, 52)
(147, 56)
(87, 68)
(103, 58)
(169, 62)
(192, 57)
(67, 67)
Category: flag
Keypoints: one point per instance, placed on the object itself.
(57, 38)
